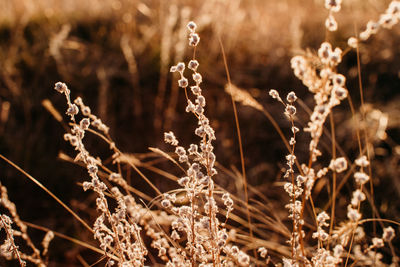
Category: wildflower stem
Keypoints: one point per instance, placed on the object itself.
(11, 238)
(47, 191)
(333, 176)
(244, 178)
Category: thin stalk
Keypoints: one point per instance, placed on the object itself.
(47, 191)
(239, 137)
(333, 175)
(11, 238)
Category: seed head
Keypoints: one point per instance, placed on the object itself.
(243, 259)
(331, 24)
(192, 26)
(274, 94)
(180, 151)
(193, 64)
(190, 107)
(180, 67)
(263, 252)
(388, 234)
(166, 203)
(338, 250)
(340, 92)
(183, 181)
(201, 100)
(387, 21)
(291, 97)
(85, 123)
(92, 168)
(196, 90)
(73, 140)
(183, 82)
(78, 101)
(362, 161)
(86, 111)
(333, 5)
(170, 138)
(205, 180)
(61, 87)
(290, 110)
(365, 35)
(336, 56)
(108, 239)
(358, 196)
(352, 42)
(372, 27)
(361, 177)
(377, 242)
(72, 110)
(292, 141)
(194, 39)
(175, 235)
(339, 80)
(322, 218)
(235, 250)
(338, 165)
(353, 214)
(193, 149)
(394, 8)
(325, 51)
(197, 78)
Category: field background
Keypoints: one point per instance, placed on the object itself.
(116, 55)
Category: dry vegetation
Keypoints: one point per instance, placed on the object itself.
(176, 150)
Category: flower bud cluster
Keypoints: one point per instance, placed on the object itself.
(170, 138)
(180, 67)
(72, 109)
(328, 56)
(206, 236)
(338, 165)
(194, 38)
(386, 20)
(290, 112)
(115, 231)
(94, 120)
(294, 188)
(331, 23)
(8, 249)
(239, 257)
(358, 196)
(318, 71)
(263, 252)
(324, 257)
(332, 6)
(379, 242)
(228, 202)
(327, 86)
(275, 95)
(13, 227)
(353, 214)
(321, 234)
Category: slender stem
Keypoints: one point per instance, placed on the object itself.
(11, 238)
(47, 191)
(239, 137)
(333, 175)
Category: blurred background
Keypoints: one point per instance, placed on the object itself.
(116, 55)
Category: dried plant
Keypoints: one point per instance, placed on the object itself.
(9, 249)
(199, 223)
